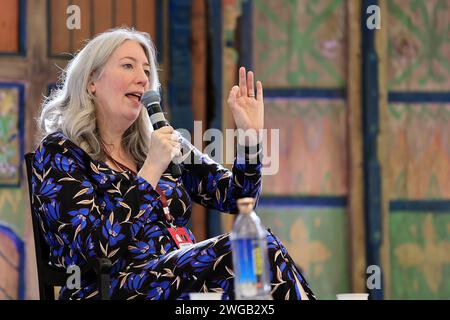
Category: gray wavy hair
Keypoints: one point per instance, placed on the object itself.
(70, 107)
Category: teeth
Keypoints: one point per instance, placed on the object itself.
(135, 95)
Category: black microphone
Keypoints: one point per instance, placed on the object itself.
(151, 101)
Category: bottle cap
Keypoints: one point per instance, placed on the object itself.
(246, 205)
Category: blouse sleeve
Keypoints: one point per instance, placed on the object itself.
(77, 225)
(217, 187)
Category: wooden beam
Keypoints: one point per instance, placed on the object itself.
(199, 56)
(381, 43)
(102, 15)
(146, 17)
(20, 70)
(372, 162)
(38, 66)
(231, 11)
(79, 36)
(124, 13)
(38, 72)
(355, 140)
(60, 42)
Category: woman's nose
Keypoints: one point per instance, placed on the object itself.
(142, 78)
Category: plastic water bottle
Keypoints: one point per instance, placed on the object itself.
(250, 257)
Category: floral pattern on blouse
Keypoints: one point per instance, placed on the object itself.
(88, 210)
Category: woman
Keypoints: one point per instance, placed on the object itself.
(101, 189)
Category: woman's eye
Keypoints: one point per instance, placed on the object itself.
(147, 72)
(128, 66)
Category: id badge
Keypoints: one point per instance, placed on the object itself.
(180, 236)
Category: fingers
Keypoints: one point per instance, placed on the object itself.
(167, 132)
(166, 129)
(172, 147)
(167, 135)
(174, 144)
(242, 82)
(233, 95)
(174, 136)
(247, 85)
(259, 91)
(250, 84)
(176, 152)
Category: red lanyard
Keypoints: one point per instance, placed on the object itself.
(166, 210)
(162, 196)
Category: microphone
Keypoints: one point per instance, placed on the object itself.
(151, 101)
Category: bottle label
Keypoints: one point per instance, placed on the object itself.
(250, 264)
(258, 261)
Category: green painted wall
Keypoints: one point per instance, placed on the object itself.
(420, 255)
(316, 238)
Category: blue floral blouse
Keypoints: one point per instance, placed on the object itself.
(87, 210)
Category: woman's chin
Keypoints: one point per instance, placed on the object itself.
(133, 111)
(132, 117)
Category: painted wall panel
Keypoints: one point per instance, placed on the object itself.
(316, 239)
(420, 255)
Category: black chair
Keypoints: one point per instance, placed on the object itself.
(50, 277)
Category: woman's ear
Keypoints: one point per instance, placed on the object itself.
(92, 87)
(92, 78)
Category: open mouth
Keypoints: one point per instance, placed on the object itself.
(134, 95)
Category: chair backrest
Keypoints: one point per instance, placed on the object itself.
(48, 277)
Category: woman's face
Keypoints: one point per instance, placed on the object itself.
(123, 80)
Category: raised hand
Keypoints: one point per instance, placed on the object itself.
(246, 105)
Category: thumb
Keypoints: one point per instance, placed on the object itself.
(232, 96)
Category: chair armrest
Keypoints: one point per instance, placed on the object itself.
(102, 267)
